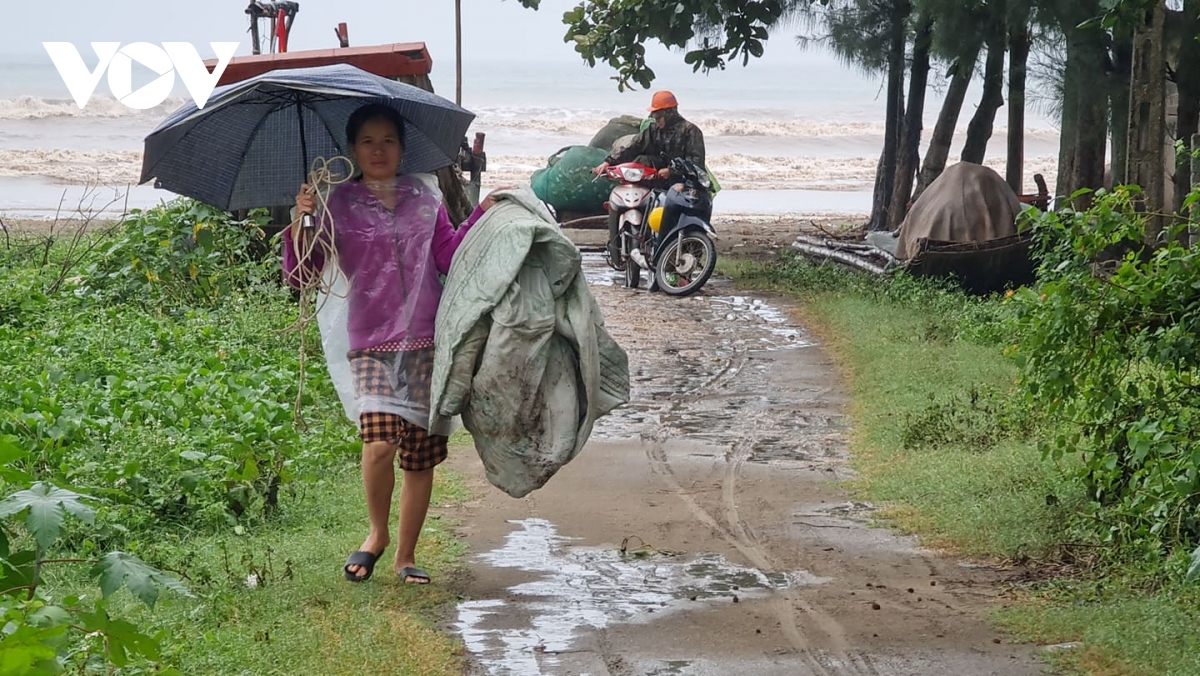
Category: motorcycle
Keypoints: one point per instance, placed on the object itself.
(665, 231)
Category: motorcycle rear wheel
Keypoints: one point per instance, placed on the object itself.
(698, 260)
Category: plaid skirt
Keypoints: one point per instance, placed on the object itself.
(385, 380)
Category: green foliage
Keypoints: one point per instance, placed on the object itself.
(117, 568)
(183, 251)
(614, 31)
(1108, 350)
(147, 392)
(46, 507)
(42, 636)
(199, 410)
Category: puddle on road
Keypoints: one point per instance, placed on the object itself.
(580, 588)
(742, 309)
(719, 369)
(597, 272)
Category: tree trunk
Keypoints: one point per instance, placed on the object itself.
(1147, 125)
(910, 134)
(979, 131)
(885, 179)
(1019, 43)
(1084, 136)
(1187, 125)
(1072, 92)
(1194, 220)
(1187, 114)
(1092, 134)
(1119, 87)
(943, 130)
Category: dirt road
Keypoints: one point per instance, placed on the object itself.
(741, 555)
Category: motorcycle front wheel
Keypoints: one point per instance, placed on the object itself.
(633, 272)
(686, 264)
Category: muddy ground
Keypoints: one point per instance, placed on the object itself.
(741, 554)
(735, 234)
(751, 236)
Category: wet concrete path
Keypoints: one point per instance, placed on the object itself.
(700, 533)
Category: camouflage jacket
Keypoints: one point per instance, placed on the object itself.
(657, 147)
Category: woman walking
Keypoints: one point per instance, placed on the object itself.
(393, 238)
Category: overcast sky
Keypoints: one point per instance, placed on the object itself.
(491, 28)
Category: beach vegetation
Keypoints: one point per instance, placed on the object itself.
(1051, 430)
(174, 498)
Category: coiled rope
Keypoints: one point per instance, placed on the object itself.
(306, 244)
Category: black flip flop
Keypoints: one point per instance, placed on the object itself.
(406, 573)
(362, 559)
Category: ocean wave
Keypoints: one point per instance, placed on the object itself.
(733, 171)
(74, 167)
(35, 108)
(579, 124)
(570, 123)
(756, 172)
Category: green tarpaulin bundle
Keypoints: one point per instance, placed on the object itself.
(568, 184)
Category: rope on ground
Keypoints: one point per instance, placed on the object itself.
(309, 244)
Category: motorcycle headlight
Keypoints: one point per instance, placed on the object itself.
(632, 175)
(705, 183)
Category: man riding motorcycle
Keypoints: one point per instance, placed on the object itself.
(669, 137)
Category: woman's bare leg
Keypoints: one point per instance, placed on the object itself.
(379, 481)
(415, 493)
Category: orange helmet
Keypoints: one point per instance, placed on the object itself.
(662, 101)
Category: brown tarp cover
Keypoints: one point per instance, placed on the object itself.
(967, 203)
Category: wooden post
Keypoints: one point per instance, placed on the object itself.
(1148, 116)
(255, 42)
(1194, 212)
(458, 52)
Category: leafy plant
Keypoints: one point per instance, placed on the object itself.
(185, 250)
(43, 636)
(1109, 347)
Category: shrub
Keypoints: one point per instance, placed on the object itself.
(1108, 348)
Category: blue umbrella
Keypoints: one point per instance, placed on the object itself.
(254, 142)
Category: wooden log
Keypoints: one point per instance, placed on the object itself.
(838, 257)
(834, 245)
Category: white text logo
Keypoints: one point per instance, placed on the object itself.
(171, 58)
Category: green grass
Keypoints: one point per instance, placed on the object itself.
(1123, 631)
(302, 616)
(906, 351)
(990, 503)
(178, 414)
